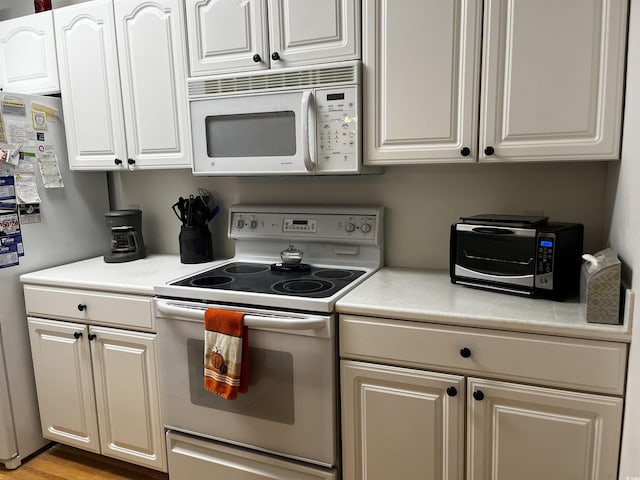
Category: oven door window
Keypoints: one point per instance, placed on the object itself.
(270, 394)
(496, 254)
(251, 135)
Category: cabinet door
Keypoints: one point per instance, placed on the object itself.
(310, 32)
(529, 433)
(553, 76)
(226, 35)
(127, 396)
(401, 424)
(28, 55)
(152, 62)
(90, 86)
(64, 382)
(421, 74)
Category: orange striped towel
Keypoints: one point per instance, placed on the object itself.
(226, 353)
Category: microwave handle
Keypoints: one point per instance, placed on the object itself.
(309, 158)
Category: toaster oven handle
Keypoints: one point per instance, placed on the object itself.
(309, 159)
(493, 230)
(309, 322)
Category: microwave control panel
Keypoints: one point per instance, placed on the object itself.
(337, 129)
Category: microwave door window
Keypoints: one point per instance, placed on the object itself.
(501, 254)
(251, 135)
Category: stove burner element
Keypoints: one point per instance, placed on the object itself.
(307, 285)
(333, 274)
(298, 267)
(210, 281)
(246, 268)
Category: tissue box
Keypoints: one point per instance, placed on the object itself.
(600, 287)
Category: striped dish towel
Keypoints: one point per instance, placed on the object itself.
(226, 353)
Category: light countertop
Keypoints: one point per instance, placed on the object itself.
(429, 296)
(135, 277)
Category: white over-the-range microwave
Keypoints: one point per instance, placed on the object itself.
(298, 121)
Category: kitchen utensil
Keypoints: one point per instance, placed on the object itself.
(291, 256)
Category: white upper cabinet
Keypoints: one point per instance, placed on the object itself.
(124, 84)
(553, 79)
(540, 80)
(227, 36)
(151, 55)
(421, 77)
(28, 55)
(90, 84)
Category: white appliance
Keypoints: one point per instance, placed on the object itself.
(286, 425)
(284, 122)
(71, 227)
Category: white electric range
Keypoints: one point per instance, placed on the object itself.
(286, 425)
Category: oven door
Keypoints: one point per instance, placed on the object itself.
(290, 407)
(260, 134)
(495, 254)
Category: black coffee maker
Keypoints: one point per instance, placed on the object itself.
(125, 227)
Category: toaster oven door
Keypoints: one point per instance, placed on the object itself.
(491, 255)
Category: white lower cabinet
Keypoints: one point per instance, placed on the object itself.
(401, 423)
(483, 419)
(97, 389)
(530, 433)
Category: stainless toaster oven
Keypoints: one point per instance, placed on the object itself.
(524, 255)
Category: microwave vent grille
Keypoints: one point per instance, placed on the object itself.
(274, 80)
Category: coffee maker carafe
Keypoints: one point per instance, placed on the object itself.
(125, 227)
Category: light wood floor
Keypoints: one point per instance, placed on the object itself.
(65, 463)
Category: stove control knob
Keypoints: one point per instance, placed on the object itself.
(366, 227)
(253, 224)
(239, 223)
(349, 227)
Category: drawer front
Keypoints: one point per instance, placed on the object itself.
(101, 308)
(588, 365)
(191, 457)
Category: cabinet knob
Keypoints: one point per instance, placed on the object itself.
(117, 161)
(131, 161)
(465, 152)
(77, 334)
(452, 391)
(92, 336)
(465, 352)
(82, 307)
(489, 151)
(478, 395)
(257, 58)
(275, 56)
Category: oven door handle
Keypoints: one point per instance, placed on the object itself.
(309, 322)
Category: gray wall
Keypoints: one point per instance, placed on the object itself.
(420, 202)
(624, 238)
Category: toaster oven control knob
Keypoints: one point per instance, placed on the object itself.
(257, 58)
(465, 352)
(489, 151)
(253, 224)
(350, 227)
(366, 227)
(239, 223)
(275, 56)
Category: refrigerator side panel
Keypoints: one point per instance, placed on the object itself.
(71, 228)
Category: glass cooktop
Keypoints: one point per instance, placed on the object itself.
(302, 281)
